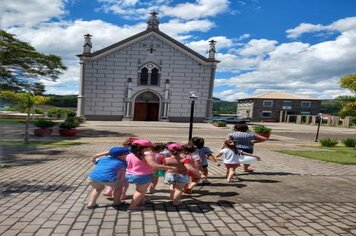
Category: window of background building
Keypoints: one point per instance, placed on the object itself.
(287, 105)
(267, 103)
(305, 104)
(266, 114)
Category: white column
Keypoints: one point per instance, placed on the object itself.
(80, 106)
(128, 99)
(166, 100)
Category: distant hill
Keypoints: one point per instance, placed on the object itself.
(223, 107)
(219, 106)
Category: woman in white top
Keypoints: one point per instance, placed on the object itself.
(231, 156)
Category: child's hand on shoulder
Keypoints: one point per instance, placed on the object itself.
(173, 168)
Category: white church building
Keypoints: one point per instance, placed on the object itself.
(146, 77)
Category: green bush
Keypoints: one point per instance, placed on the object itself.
(58, 113)
(328, 142)
(68, 125)
(44, 123)
(353, 120)
(39, 111)
(219, 123)
(349, 142)
(261, 129)
(75, 120)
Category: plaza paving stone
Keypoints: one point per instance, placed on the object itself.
(44, 191)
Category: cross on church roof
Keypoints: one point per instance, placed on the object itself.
(88, 35)
(154, 13)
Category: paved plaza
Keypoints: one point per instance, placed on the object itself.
(44, 190)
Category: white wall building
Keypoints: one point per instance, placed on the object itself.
(148, 76)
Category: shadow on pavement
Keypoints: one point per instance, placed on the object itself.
(21, 155)
(266, 173)
(85, 132)
(11, 187)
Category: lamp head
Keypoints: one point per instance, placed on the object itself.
(193, 95)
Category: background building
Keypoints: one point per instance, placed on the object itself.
(148, 77)
(275, 106)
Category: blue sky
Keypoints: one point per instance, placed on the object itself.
(296, 46)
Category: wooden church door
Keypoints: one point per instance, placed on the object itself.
(146, 107)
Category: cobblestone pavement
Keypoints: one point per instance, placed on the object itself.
(44, 191)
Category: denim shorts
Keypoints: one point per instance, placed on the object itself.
(138, 179)
(171, 178)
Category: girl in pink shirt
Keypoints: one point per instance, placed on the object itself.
(157, 148)
(140, 167)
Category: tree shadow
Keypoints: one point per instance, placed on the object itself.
(280, 173)
(10, 187)
(86, 132)
(20, 155)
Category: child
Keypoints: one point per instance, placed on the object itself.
(178, 178)
(157, 149)
(189, 151)
(105, 173)
(108, 190)
(231, 157)
(140, 168)
(204, 153)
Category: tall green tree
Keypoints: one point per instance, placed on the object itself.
(21, 64)
(348, 102)
(27, 100)
(38, 88)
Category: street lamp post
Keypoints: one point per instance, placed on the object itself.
(192, 97)
(319, 119)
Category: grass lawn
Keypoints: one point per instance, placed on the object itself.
(2, 167)
(62, 143)
(11, 120)
(340, 155)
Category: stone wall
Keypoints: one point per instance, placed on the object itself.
(106, 77)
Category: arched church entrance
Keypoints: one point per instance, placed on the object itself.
(146, 107)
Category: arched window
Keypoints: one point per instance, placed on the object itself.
(144, 76)
(149, 75)
(154, 76)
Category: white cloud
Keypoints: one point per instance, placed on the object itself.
(199, 9)
(136, 10)
(341, 25)
(258, 47)
(202, 46)
(29, 13)
(180, 30)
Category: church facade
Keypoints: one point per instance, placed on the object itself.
(147, 77)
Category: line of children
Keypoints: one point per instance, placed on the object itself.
(145, 163)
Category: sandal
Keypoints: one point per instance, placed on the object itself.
(92, 206)
(135, 209)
